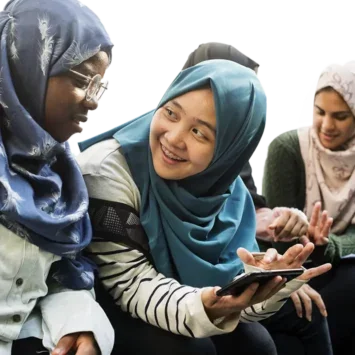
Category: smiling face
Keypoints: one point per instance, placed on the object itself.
(182, 135)
(332, 119)
(65, 105)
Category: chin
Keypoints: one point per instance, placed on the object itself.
(330, 146)
(166, 175)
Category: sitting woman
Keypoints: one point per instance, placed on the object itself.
(53, 55)
(169, 212)
(320, 172)
(309, 334)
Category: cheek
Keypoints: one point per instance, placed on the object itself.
(60, 101)
(317, 121)
(348, 128)
(158, 127)
(201, 155)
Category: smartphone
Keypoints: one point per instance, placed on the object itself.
(241, 282)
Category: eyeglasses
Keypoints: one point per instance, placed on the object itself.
(95, 86)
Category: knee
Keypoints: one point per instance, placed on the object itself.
(193, 346)
(261, 343)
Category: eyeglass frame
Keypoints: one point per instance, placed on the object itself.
(102, 84)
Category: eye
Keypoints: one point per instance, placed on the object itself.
(341, 117)
(81, 84)
(320, 112)
(170, 114)
(198, 133)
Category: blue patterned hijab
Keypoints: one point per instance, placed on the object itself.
(43, 197)
(195, 225)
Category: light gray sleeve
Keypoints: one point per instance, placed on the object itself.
(67, 311)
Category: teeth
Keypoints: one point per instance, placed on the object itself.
(170, 155)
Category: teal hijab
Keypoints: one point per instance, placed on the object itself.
(195, 225)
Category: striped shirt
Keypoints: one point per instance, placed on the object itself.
(131, 279)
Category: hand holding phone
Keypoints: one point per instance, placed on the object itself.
(241, 282)
(217, 307)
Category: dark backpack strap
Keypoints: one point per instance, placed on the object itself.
(118, 223)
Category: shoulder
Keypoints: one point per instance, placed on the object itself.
(103, 159)
(107, 174)
(286, 142)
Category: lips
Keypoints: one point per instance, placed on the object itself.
(80, 118)
(328, 136)
(171, 155)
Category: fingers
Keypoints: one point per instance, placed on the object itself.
(269, 289)
(315, 271)
(307, 304)
(303, 230)
(245, 297)
(65, 344)
(285, 227)
(304, 240)
(323, 219)
(316, 298)
(315, 214)
(86, 345)
(296, 255)
(326, 228)
(270, 255)
(217, 307)
(297, 303)
(280, 287)
(87, 349)
(246, 257)
(304, 254)
(292, 253)
(209, 296)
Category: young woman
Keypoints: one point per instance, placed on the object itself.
(53, 55)
(320, 171)
(169, 212)
(309, 334)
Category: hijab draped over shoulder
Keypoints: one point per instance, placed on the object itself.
(330, 175)
(43, 197)
(196, 224)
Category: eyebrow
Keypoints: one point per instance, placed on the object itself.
(198, 120)
(86, 69)
(335, 112)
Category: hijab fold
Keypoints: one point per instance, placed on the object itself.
(330, 175)
(195, 225)
(43, 197)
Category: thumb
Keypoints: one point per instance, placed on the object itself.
(304, 240)
(273, 225)
(209, 297)
(245, 256)
(65, 344)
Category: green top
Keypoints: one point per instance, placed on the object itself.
(284, 185)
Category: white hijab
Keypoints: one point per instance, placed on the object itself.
(330, 175)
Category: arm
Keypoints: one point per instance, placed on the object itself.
(337, 247)
(124, 270)
(284, 177)
(66, 311)
(140, 290)
(127, 274)
(269, 307)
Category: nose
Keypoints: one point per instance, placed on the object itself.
(176, 137)
(91, 104)
(328, 123)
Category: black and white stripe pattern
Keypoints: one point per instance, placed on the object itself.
(124, 262)
(139, 289)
